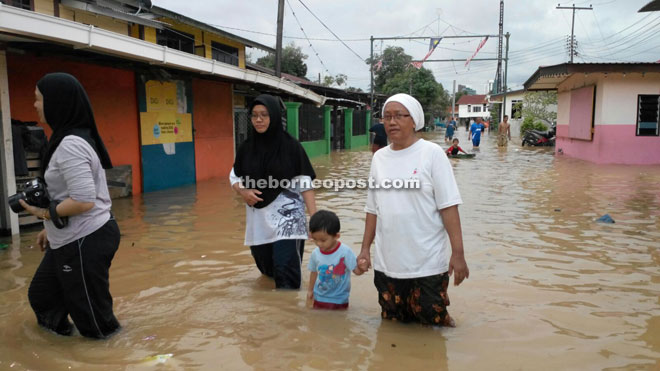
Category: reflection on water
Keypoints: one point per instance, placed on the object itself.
(549, 288)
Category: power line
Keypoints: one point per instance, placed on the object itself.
(304, 33)
(636, 23)
(328, 28)
(643, 29)
(286, 37)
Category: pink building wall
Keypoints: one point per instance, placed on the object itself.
(614, 138)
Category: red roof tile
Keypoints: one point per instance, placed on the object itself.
(472, 99)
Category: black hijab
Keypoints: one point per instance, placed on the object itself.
(68, 112)
(273, 153)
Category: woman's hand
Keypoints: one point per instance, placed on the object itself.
(458, 268)
(42, 240)
(364, 261)
(250, 196)
(36, 211)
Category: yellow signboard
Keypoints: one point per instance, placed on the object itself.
(161, 96)
(165, 127)
(162, 123)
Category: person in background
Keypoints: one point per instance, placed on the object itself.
(80, 234)
(380, 137)
(475, 132)
(454, 149)
(503, 132)
(276, 226)
(451, 127)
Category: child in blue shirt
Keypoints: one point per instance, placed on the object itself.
(331, 264)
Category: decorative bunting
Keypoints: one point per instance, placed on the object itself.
(476, 51)
(434, 43)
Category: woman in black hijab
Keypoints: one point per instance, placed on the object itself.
(273, 175)
(80, 235)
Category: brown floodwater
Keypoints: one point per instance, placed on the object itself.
(549, 287)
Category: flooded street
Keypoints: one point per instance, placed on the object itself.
(549, 288)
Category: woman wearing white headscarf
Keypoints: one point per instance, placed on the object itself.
(415, 229)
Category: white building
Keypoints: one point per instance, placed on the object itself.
(473, 106)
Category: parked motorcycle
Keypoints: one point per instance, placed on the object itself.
(538, 138)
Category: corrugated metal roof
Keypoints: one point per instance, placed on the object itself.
(554, 75)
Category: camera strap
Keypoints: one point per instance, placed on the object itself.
(58, 222)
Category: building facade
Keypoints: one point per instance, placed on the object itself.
(607, 113)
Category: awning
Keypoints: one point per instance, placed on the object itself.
(549, 77)
(44, 27)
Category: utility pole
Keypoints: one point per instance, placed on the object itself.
(573, 24)
(453, 100)
(278, 45)
(506, 68)
(497, 87)
(372, 72)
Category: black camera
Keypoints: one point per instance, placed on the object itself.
(34, 193)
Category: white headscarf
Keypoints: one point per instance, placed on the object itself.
(412, 105)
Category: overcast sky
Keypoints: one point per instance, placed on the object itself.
(612, 31)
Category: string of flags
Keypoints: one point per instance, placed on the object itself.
(434, 43)
(476, 51)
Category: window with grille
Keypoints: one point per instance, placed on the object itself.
(176, 40)
(648, 115)
(23, 4)
(224, 53)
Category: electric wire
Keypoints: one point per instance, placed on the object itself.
(332, 32)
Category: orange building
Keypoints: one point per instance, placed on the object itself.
(165, 88)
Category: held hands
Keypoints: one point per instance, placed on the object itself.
(364, 261)
(458, 267)
(250, 196)
(363, 265)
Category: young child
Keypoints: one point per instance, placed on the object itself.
(453, 150)
(331, 264)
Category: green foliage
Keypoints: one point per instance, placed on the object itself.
(495, 116)
(421, 84)
(293, 61)
(530, 124)
(397, 76)
(460, 94)
(539, 106)
(394, 62)
(339, 79)
(517, 109)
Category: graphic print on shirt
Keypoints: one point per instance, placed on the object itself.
(291, 216)
(331, 275)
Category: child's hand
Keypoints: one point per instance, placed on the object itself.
(310, 295)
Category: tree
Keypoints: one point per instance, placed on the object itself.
(293, 61)
(396, 75)
(460, 94)
(539, 106)
(393, 61)
(421, 84)
(339, 79)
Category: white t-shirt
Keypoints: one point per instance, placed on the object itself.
(282, 219)
(411, 240)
